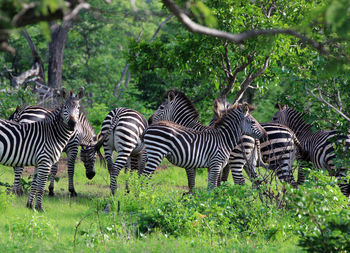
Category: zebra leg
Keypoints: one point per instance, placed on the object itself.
(43, 174)
(33, 190)
(119, 163)
(54, 169)
(71, 155)
(17, 186)
(342, 183)
(213, 175)
(224, 174)
(191, 178)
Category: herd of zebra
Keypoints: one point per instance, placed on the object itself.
(234, 140)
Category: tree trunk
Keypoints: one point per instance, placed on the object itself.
(59, 34)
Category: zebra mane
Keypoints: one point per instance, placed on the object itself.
(220, 121)
(297, 116)
(182, 96)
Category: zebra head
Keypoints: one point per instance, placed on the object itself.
(88, 157)
(164, 111)
(177, 108)
(70, 108)
(281, 116)
(250, 126)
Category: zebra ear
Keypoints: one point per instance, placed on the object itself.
(245, 109)
(216, 108)
(63, 92)
(171, 95)
(81, 92)
(278, 106)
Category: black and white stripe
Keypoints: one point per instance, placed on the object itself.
(318, 147)
(191, 149)
(84, 136)
(121, 131)
(39, 144)
(179, 109)
(278, 150)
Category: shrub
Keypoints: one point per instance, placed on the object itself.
(222, 211)
(322, 211)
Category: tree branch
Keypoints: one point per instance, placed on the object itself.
(324, 101)
(238, 37)
(249, 79)
(160, 27)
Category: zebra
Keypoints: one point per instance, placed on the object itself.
(318, 146)
(83, 136)
(179, 109)
(121, 131)
(278, 150)
(39, 144)
(191, 149)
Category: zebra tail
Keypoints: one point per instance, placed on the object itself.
(103, 137)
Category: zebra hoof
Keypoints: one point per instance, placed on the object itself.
(39, 209)
(17, 191)
(51, 193)
(73, 194)
(29, 205)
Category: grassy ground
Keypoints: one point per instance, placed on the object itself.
(97, 222)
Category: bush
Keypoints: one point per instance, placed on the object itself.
(226, 210)
(322, 211)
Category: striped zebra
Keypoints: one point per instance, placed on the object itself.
(179, 109)
(278, 150)
(318, 146)
(191, 149)
(121, 131)
(83, 136)
(39, 144)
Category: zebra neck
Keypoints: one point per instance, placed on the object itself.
(301, 129)
(228, 133)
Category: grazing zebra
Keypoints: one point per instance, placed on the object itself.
(191, 149)
(278, 150)
(83, 136)
(121, 131)
(39, 144)
(318, 146)
(179, 109)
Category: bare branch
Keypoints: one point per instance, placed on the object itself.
(76, 11)
(160, 27)
(238, 37)
(125, 70)
(249, 79)
(322, 100)
(231, 78)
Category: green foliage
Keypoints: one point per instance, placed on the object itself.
(9, 102)
(5, 198)
(34, 226)
(225, 210)
(97, 113)
(321, 210)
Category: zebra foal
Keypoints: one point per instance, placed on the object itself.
(318, 146)
(191, 149)
(84, 136)
(121, 131)
(39, 144)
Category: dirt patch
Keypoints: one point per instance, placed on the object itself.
(62, 167)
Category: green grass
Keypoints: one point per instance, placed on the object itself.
(118, 230)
